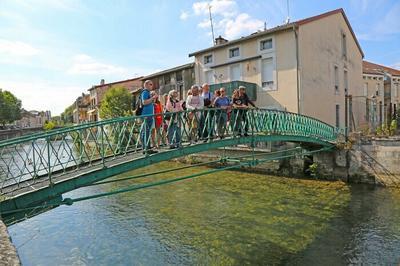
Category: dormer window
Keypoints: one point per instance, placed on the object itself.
(208, 59)
(266, 44)
(234, 52)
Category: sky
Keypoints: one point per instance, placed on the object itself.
(51, 51)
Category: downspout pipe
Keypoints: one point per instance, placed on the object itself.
(297, 68)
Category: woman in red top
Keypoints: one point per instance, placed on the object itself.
(156, 133)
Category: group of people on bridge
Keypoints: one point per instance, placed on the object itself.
(207, 115)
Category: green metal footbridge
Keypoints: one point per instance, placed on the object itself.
(36, 170)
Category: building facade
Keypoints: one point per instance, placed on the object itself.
(307, 67)
(96, 94)
(81, 107)
(33, 119)
(381, 86)
(179, 78)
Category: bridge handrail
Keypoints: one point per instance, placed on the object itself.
(50, 133)
(63, 150)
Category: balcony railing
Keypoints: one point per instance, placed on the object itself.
(251, 88)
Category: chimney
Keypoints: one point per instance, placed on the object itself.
(102, 82)
(220, 40)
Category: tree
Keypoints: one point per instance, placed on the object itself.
(117, 102)
(10, 107)
(68, 115)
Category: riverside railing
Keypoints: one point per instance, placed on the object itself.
(38, 157)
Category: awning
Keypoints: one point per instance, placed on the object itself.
(91, 111)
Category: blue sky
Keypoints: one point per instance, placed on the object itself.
(53, 50)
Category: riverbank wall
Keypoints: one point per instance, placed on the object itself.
(8, 253)
(372, 161)
(14, 133)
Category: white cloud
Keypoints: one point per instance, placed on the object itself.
(84, 64)
(226, 8)
(16, 48)
(396, 65)
(241, 25)
(184, 15)
(228, 21)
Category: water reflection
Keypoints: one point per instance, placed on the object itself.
(230, 218)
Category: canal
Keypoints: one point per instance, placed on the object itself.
(228, 218)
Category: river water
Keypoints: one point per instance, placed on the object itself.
(227, 218)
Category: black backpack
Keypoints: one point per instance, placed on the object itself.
(139, 105)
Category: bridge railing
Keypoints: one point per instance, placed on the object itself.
(38, 158)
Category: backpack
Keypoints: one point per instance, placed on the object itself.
(139, 105)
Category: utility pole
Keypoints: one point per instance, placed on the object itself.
(211, 22)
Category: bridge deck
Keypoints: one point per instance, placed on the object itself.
(42, 166)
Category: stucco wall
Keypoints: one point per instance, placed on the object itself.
(320, 49)
(284, 52)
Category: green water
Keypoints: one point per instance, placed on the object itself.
(227, 218)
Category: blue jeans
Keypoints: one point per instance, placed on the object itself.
(146, 132)
(174, 134)
(222, 117)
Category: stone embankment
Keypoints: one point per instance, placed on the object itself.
(8, 253)
(373, 161)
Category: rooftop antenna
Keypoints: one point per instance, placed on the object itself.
(265, 25)
(211, 22)
(288, 17)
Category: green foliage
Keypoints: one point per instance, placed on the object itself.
(393, 127)
(67, 116)
(117, 102)
(49, 125)
(10, 107)
(313, 168)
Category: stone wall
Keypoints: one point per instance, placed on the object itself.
(8, 253)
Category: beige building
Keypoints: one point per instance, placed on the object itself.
(179, 78)
(97, 93)
(81, 106)
(306, 67)
(381, 86)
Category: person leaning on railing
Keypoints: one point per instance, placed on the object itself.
(223, 104)
(195, 103)
(245, 101)
(156, 133)
(207, 117)
(172, 107)
(237, 113)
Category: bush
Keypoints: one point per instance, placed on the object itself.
(393, 127)
(48, 125)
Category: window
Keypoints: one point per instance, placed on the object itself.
(266, 44)
(346, 82)
(235, 72)
(336, 80)
(366, 89)
(396, 90)
(377, 89)
(337, 115)
(344, 46)
(267, 66)
(234, 52)
(208, 59)
(209, 77)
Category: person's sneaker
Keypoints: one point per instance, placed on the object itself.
(171, 147)
(246, 135)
